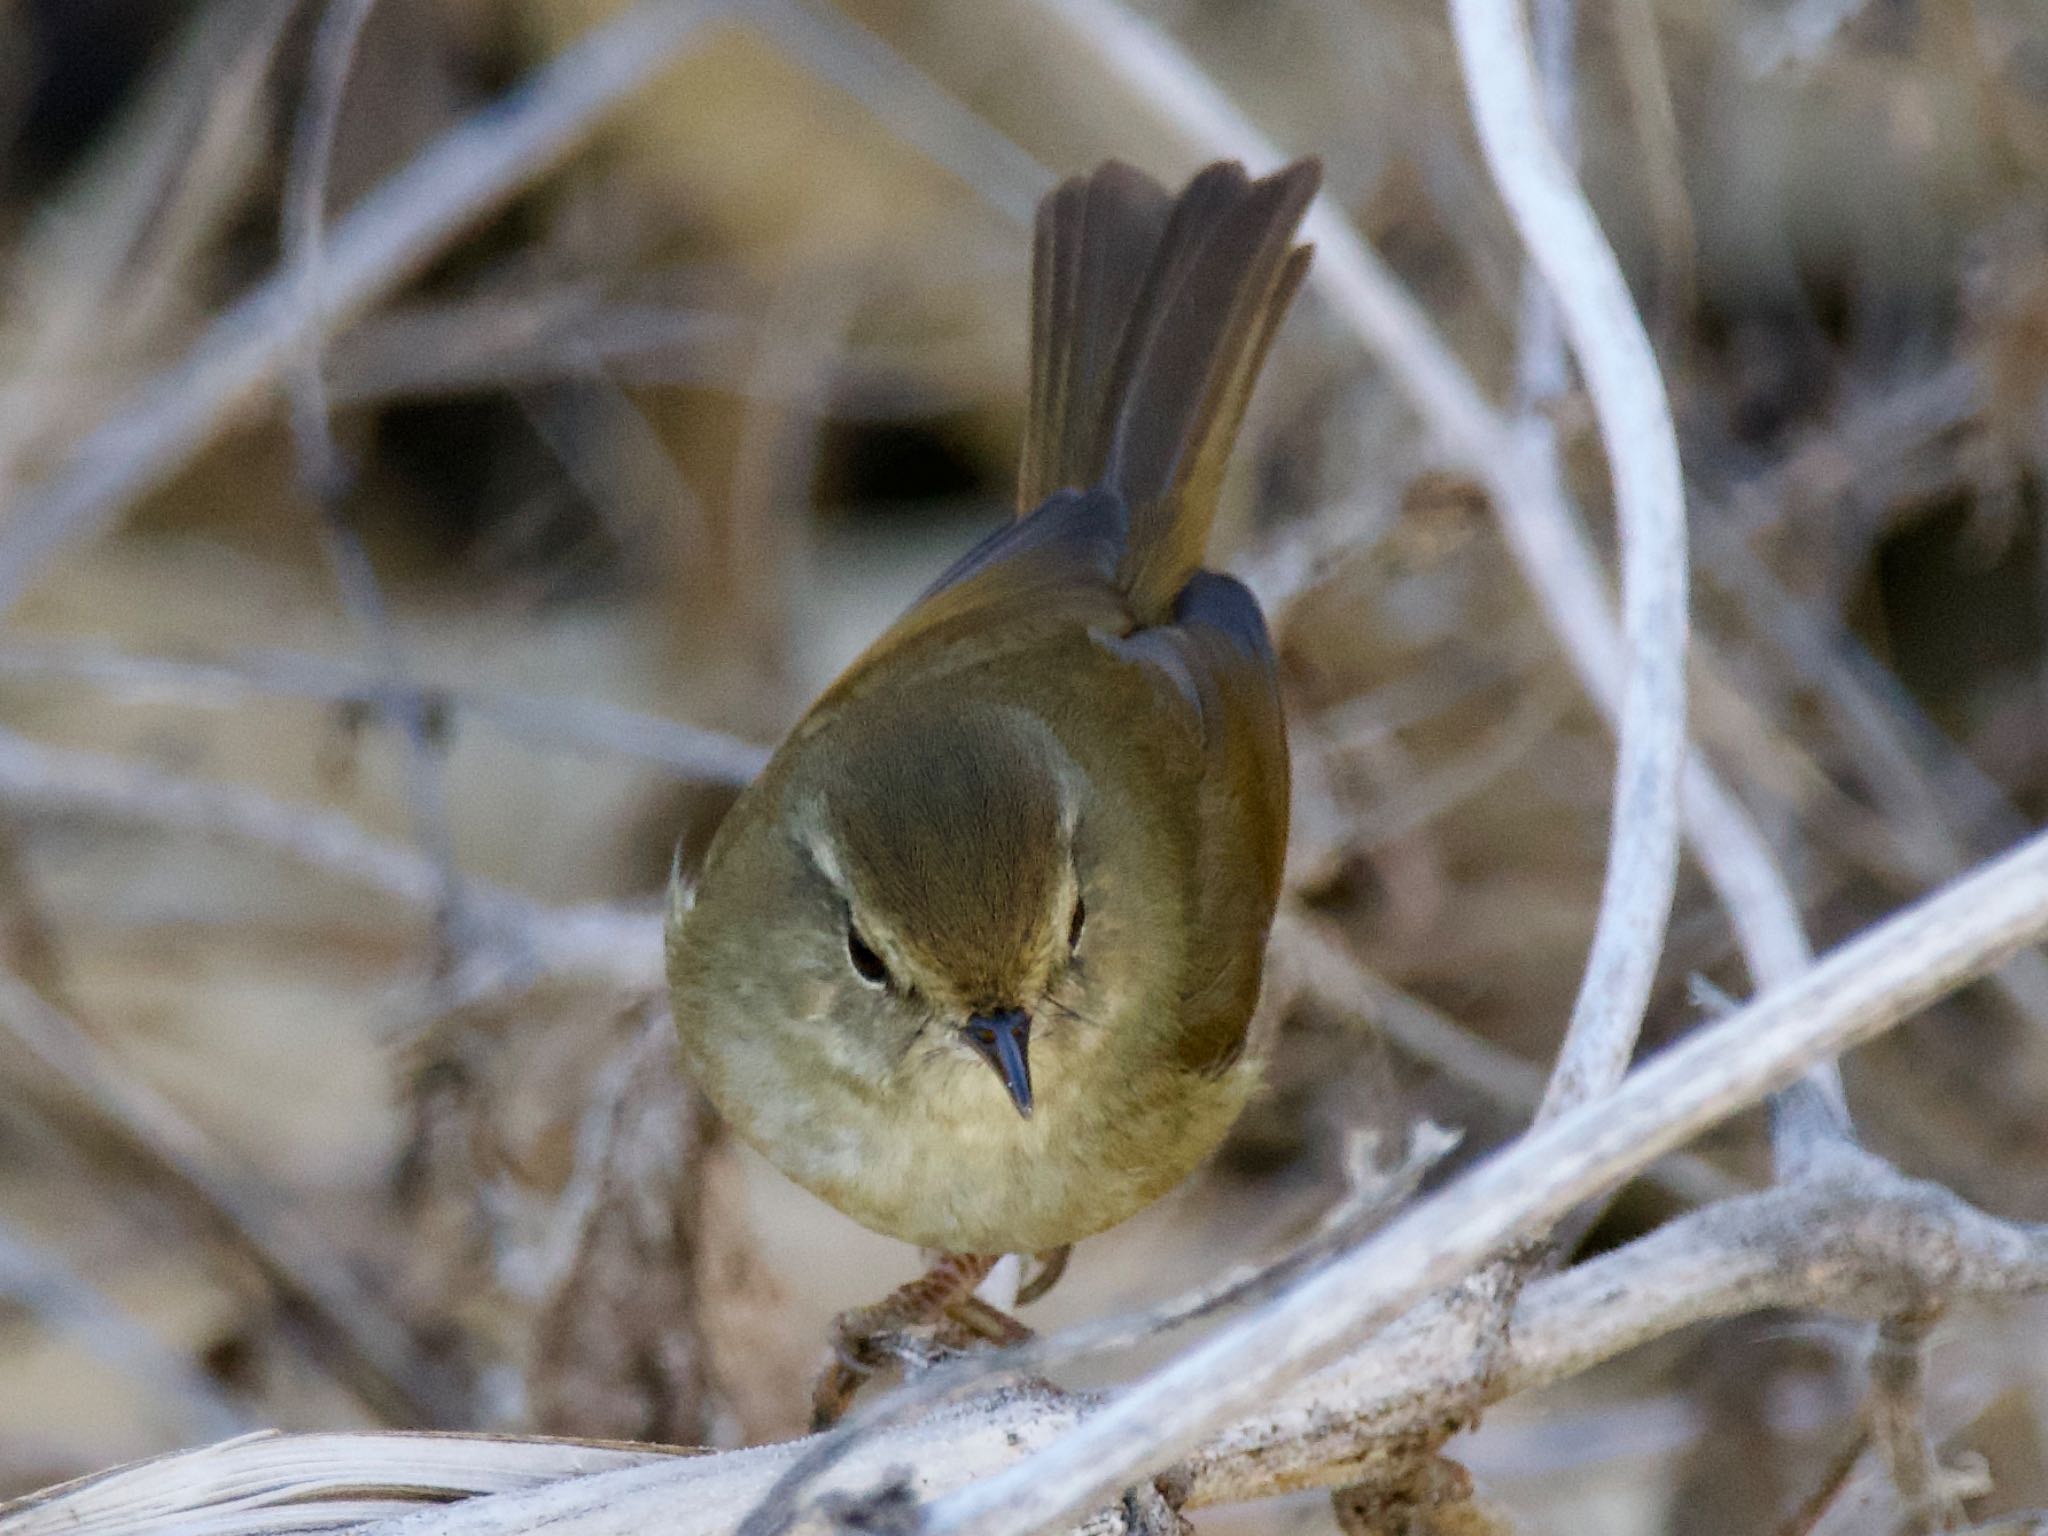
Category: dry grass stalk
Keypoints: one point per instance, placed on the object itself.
(618, 1341)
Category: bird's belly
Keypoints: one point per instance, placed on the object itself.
(961, 1170)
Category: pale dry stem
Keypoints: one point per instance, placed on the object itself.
(518, 937)
(1864, 1243)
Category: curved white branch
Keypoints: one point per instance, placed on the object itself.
(1536, 517)
(1621, 374)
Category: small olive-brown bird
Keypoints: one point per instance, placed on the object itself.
(974, 959)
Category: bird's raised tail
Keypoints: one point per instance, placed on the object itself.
(1150, 316)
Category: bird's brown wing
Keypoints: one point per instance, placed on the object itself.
(1217, 653)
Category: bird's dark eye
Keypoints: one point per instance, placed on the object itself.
(1079, 922)
(867, 965)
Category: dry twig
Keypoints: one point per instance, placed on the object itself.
(1863, 1243)
(321, 466)
(603, 942)
(575, 725)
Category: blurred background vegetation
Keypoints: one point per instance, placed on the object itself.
(668, 435)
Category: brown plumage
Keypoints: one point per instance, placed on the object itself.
(1038, 826)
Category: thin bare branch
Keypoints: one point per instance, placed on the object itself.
(1655, 120)
(304, 223)
(1411, 807)
(1798, 36)
(843, 53)
(322, 467)
(618, 945)
(93, 279)
(584, 726)
(1542, 363)
(1915, 774)
(1306, 955)
(518, 340)
(1898, 1422)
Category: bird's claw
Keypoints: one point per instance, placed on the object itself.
(919, 1324)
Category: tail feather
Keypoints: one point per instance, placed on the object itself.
(1094, 245)
(1151, 317)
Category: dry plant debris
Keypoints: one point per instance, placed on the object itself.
(440, 442)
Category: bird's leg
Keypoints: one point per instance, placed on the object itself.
(942, 1299)
(1051, 1265)
(970, 1321)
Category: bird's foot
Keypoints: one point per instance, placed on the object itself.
(1051, 1265)
(938, 1311)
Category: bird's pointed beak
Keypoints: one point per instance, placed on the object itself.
(1003, 1040)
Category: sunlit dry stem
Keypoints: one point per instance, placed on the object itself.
(1864, 1242)
(613, 944)
(584, 726)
